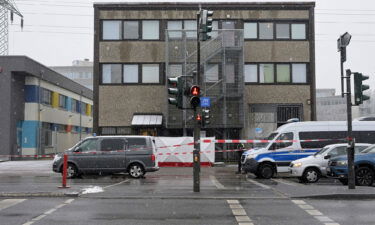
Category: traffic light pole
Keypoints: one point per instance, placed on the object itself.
(351, 141)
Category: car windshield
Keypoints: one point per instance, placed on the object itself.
(323, 150)
(270, 137)
(370, 149)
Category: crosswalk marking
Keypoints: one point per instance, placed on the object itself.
(6, 203)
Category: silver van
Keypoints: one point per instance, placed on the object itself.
(135, 155)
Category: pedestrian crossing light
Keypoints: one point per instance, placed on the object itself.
(206, 117)
(195, 92)
(359, 97)
(176, 89)
(205, 26)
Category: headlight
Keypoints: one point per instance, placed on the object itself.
(56, 158)
(250, 156)
(342, 163)
(299, 164)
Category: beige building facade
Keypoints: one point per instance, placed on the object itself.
(130, 59)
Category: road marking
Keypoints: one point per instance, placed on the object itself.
(306, 207)
(6, 203)
(323, 218)
(316, 213)
(331, 224)
(283, 181)
(257, 183)
(239, 213)
(48, 212)
(245, 224)
(233, 202)
(216, 182)
(235, 206)
(299, 202)
(243, 219)
(112, 185)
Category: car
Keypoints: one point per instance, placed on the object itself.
(135, 155)
(364, 167)
(311, 168)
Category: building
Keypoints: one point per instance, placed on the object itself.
(258, 68)
(42, 112)
(80, 71)
(331, 107)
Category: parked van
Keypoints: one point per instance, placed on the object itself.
(266, 159)
(135, 155)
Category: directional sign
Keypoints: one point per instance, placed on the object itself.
(205, 102)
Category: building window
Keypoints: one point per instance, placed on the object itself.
(212, 72)
(150, 30)
(299, 31)
(299, 73)
(74, 105)
(215, 28)
(83, 108)
(174, 25)
(266, 73)
(63, 101)
(283, 73)
(111, 73)
(46, 97)
(251, 73)
(282, 31)
(265, 30)
(130, 73)
(175, 70)
(191, 26)
(131, 30)
(250, 30)
(150, 73)
(112, 30)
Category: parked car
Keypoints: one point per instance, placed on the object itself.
(364, 167)
(311, 168)
(135, 155)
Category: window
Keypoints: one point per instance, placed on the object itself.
(111, 73)
(212, 72)
(321, 135)
(299, 73)
(150, 73)
(190, 25)
(174, 25)
(250, 30)
(284, 137)
(251, 73)
(265, 30)
(89, 145)
(108, 130)
(46, 97)
(175, 70)
(112, 144)
(215, 27)
(150, 30)
(283, 73)
(266, 73)
(83, 108)
(74, 105)
(112, 30)
(299, 31)
(282, 31)
(136, 142)
(131, 30)
(130, 73)
(62, 101)
(47, 134)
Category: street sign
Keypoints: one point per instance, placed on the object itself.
(205, 102)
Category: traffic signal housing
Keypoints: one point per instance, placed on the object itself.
(359, 97)
(195, 92)
(206, 117)
(205, 26)
(176, 89)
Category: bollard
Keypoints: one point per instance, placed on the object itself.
(65, 166)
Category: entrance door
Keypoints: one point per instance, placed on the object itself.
(229, 39)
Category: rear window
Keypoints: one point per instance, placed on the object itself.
(112, 144)
(137, 142)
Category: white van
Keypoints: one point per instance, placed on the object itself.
(266, 159)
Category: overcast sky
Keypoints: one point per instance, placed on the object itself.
(56, 32)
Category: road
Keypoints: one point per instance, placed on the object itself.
(166, 197)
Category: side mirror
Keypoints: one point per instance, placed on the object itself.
(78, 149)
(327, 157)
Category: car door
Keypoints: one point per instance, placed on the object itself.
(283, 151)
(84, 155)
(111, 157)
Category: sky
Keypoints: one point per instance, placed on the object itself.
(56, 32)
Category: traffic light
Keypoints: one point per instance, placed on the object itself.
(176, 90)
(195, 92)
(198, 118)
(205, 26)
(359, 97)
(205, 117)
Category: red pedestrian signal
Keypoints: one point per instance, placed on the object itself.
(195, 90)
(198, 118)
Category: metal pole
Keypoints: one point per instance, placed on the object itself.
(350, 150)
(80, 116)
(342, 55)
(196, 152)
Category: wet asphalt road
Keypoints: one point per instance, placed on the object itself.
(166, 197)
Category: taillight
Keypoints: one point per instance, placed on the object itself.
(153, 157)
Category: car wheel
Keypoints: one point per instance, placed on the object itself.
(136, 170)
(344, 181)
(311, 175)
(71, 171)
(266, 171)
(364, 176)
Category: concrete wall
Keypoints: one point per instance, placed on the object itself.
(5, 112)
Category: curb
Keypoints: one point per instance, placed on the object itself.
(337, 196)
(41, 194)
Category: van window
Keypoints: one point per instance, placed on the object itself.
(112, 144)
(88, 145)
(332, 135)
(137, 142)
(283, 137)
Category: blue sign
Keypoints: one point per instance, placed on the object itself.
(258, 130)
(205, 102)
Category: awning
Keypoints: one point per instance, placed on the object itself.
(147, 120)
